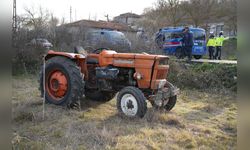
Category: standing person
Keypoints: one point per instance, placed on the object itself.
(159, 39)
(219, 43)
(188, 42)
(211, 46)
(183, 51)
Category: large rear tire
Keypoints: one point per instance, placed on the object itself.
(64, 83)
(131, 102)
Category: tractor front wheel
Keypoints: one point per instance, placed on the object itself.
(131, 102)
(64, 84)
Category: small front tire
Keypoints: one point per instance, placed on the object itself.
(131, 102)
(171, 103)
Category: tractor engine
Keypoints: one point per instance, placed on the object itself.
(105, 77)
(113, 79)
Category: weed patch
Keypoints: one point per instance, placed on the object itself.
(217, 77)
(23, 117)
(200, 120)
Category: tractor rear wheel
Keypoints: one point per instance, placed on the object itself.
(97, 95)
(131, 102)
(64, 83)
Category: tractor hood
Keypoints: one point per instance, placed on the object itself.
(109, 57)
(152, 68)
(113, 54)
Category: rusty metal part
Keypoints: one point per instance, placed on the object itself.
(161, 97)
(57, 84)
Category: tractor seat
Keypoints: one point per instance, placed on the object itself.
(80, 50)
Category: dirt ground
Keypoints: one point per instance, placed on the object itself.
(199, 121)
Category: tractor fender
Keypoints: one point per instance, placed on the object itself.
(52, 53)
(173, 90)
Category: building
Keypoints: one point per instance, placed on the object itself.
(217, 27)
(127, 18)
(100, 25)
(80, 27)
(75, 33)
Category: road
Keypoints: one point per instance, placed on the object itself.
(215, 61)
(211, 61)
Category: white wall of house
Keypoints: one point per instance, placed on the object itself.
(217, 27)
(126, 20)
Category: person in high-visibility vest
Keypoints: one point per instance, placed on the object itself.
(218, 44)
(211, 46)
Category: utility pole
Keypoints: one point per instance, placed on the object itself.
(14, 25)
(70, 14)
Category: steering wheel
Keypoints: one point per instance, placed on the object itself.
(99, 50)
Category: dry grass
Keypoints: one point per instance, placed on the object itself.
(199, 121)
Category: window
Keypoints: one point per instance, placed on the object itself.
(199, 35)
(167, 35)
(176, 35)
(172, 35)
(117, 35)
(93, 36)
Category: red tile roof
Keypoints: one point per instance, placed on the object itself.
(101, 25)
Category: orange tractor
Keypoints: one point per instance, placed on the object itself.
(102, 73)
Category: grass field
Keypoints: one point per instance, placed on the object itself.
(199, 121)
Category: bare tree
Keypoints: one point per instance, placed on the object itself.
(165, 13)
(229, 10)
(37, 21)
(150, 21)
(170, 11)
(62, 21)
(199, 11)
(33, 24)
(52, 25)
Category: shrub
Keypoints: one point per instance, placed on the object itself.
(217, 77)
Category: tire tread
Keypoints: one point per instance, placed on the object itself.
(76, 79)
(137, 93)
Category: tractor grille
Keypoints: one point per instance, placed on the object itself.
(161, 74)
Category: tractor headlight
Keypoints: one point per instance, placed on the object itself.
(162, 83)
(138, 76)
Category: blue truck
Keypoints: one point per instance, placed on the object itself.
(169, 40)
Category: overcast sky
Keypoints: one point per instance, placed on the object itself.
(82, 9)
